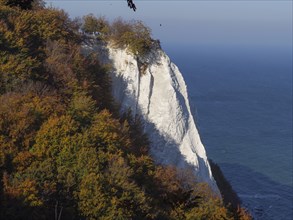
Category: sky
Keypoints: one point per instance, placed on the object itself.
(244, 23)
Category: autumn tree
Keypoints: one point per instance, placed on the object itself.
(64, 149)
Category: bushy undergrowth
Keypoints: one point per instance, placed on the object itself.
(64, 152)
(133, 35)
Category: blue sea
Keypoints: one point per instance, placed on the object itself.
(241, 99)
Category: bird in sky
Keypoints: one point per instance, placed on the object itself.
(131, 5)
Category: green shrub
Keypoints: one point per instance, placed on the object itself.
(134, 35)
(91, 24)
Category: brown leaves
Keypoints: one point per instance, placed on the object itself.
(61, 145)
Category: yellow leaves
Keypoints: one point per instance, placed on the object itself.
(108, 132)
(48, 105)
(55, 134)
(49, 24)
(48, 187)
(20, 53)
(243, 214)
(25, 189)
(82, 107)
(143, 165)
(59, 146)
(23, 39)
(210, 206)
(112, 194)
(118, 172)
(23, 160)
(55, 24)
(23, 34)
(92, 201)
(5, 11)
(21, 116)
(16, 66)
(30, 193)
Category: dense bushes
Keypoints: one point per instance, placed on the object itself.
(63, 149)
(133, 35)
(91, 24)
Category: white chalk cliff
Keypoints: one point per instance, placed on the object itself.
(154, 89)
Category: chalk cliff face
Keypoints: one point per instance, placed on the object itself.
(154, 89)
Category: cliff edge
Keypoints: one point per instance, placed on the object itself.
(153, 88)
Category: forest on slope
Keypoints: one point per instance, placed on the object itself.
(65, 152)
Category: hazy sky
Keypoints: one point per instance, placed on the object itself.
(194, 22)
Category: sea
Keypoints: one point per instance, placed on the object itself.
(241, 100)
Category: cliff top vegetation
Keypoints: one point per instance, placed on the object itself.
(133, 35)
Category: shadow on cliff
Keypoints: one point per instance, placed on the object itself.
(163, 147)
(265, 198)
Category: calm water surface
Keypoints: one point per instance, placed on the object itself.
(242, 103)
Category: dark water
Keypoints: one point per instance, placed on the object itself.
(242, 103)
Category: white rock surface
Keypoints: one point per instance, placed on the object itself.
(159, 96)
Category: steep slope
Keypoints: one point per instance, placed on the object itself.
(154, 89)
